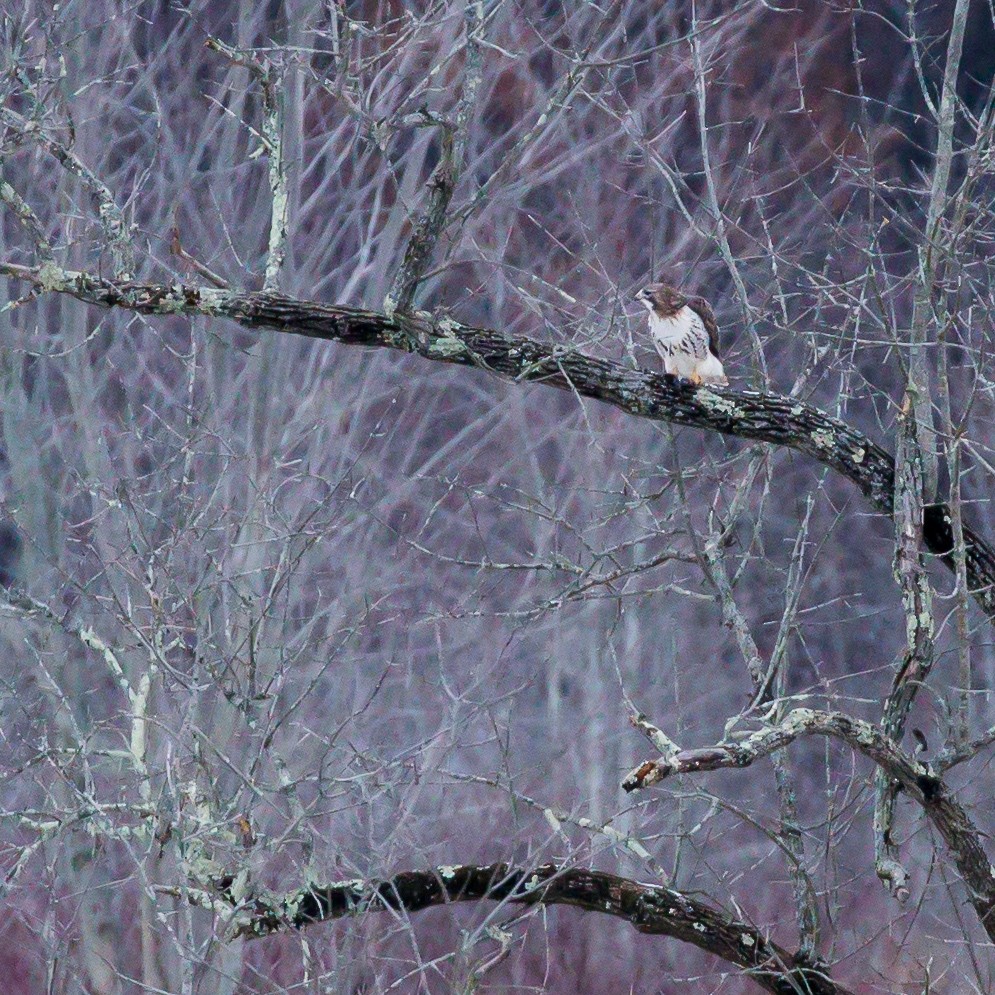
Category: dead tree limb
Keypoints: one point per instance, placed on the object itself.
(918, 780)
(771, 418)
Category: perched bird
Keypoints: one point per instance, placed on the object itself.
(685, 334)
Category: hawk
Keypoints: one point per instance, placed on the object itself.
(685, 334)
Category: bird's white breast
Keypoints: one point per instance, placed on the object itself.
(685, 332)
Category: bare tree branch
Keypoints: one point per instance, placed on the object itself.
(445, 176)
(931, 253)
(916, 479)
(917, 600)
(772, 418)
(714, 208)
(918, 780)
(116, 228)
(271, 140)
(765, 681)
(27, 217)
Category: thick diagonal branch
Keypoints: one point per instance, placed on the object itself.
(772, 418)
(920, 782)
(650, 908)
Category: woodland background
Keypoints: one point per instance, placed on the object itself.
(389, 614)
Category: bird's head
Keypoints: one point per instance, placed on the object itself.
(661, 299)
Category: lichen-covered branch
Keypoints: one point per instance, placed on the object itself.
(270, 135)
(112, 220)
(918, 780)
(747, 414)
(910, 574)
(27, 217)
(652, 909)
(137, 693)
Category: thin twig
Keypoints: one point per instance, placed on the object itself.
(714, 208)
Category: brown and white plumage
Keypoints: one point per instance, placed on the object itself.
(685, 334)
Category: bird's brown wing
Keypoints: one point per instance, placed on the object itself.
(704, 310)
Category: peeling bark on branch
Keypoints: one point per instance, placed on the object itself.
(772, 418)
(649, 908)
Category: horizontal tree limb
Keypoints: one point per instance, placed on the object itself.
(772, 418)
(649, 908)
(918, 780)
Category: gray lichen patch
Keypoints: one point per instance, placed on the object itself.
(446, 344)
(177, 301)
(213, 300)
(717, 404)
(797, 720)
(446, 348)
(53, 277)
(824, 438)
(240, 886)
(858, 454)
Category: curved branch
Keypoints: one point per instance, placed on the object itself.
(649, 908)
(746, 414)
(918, 780)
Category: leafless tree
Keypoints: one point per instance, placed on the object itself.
(355, 550)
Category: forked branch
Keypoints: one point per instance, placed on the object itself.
(916, 779)
(442, 183)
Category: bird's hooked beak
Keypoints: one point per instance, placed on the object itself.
(644, 298)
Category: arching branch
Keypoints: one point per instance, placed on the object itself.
(773, 418)
(649, 908)
(918, 780)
